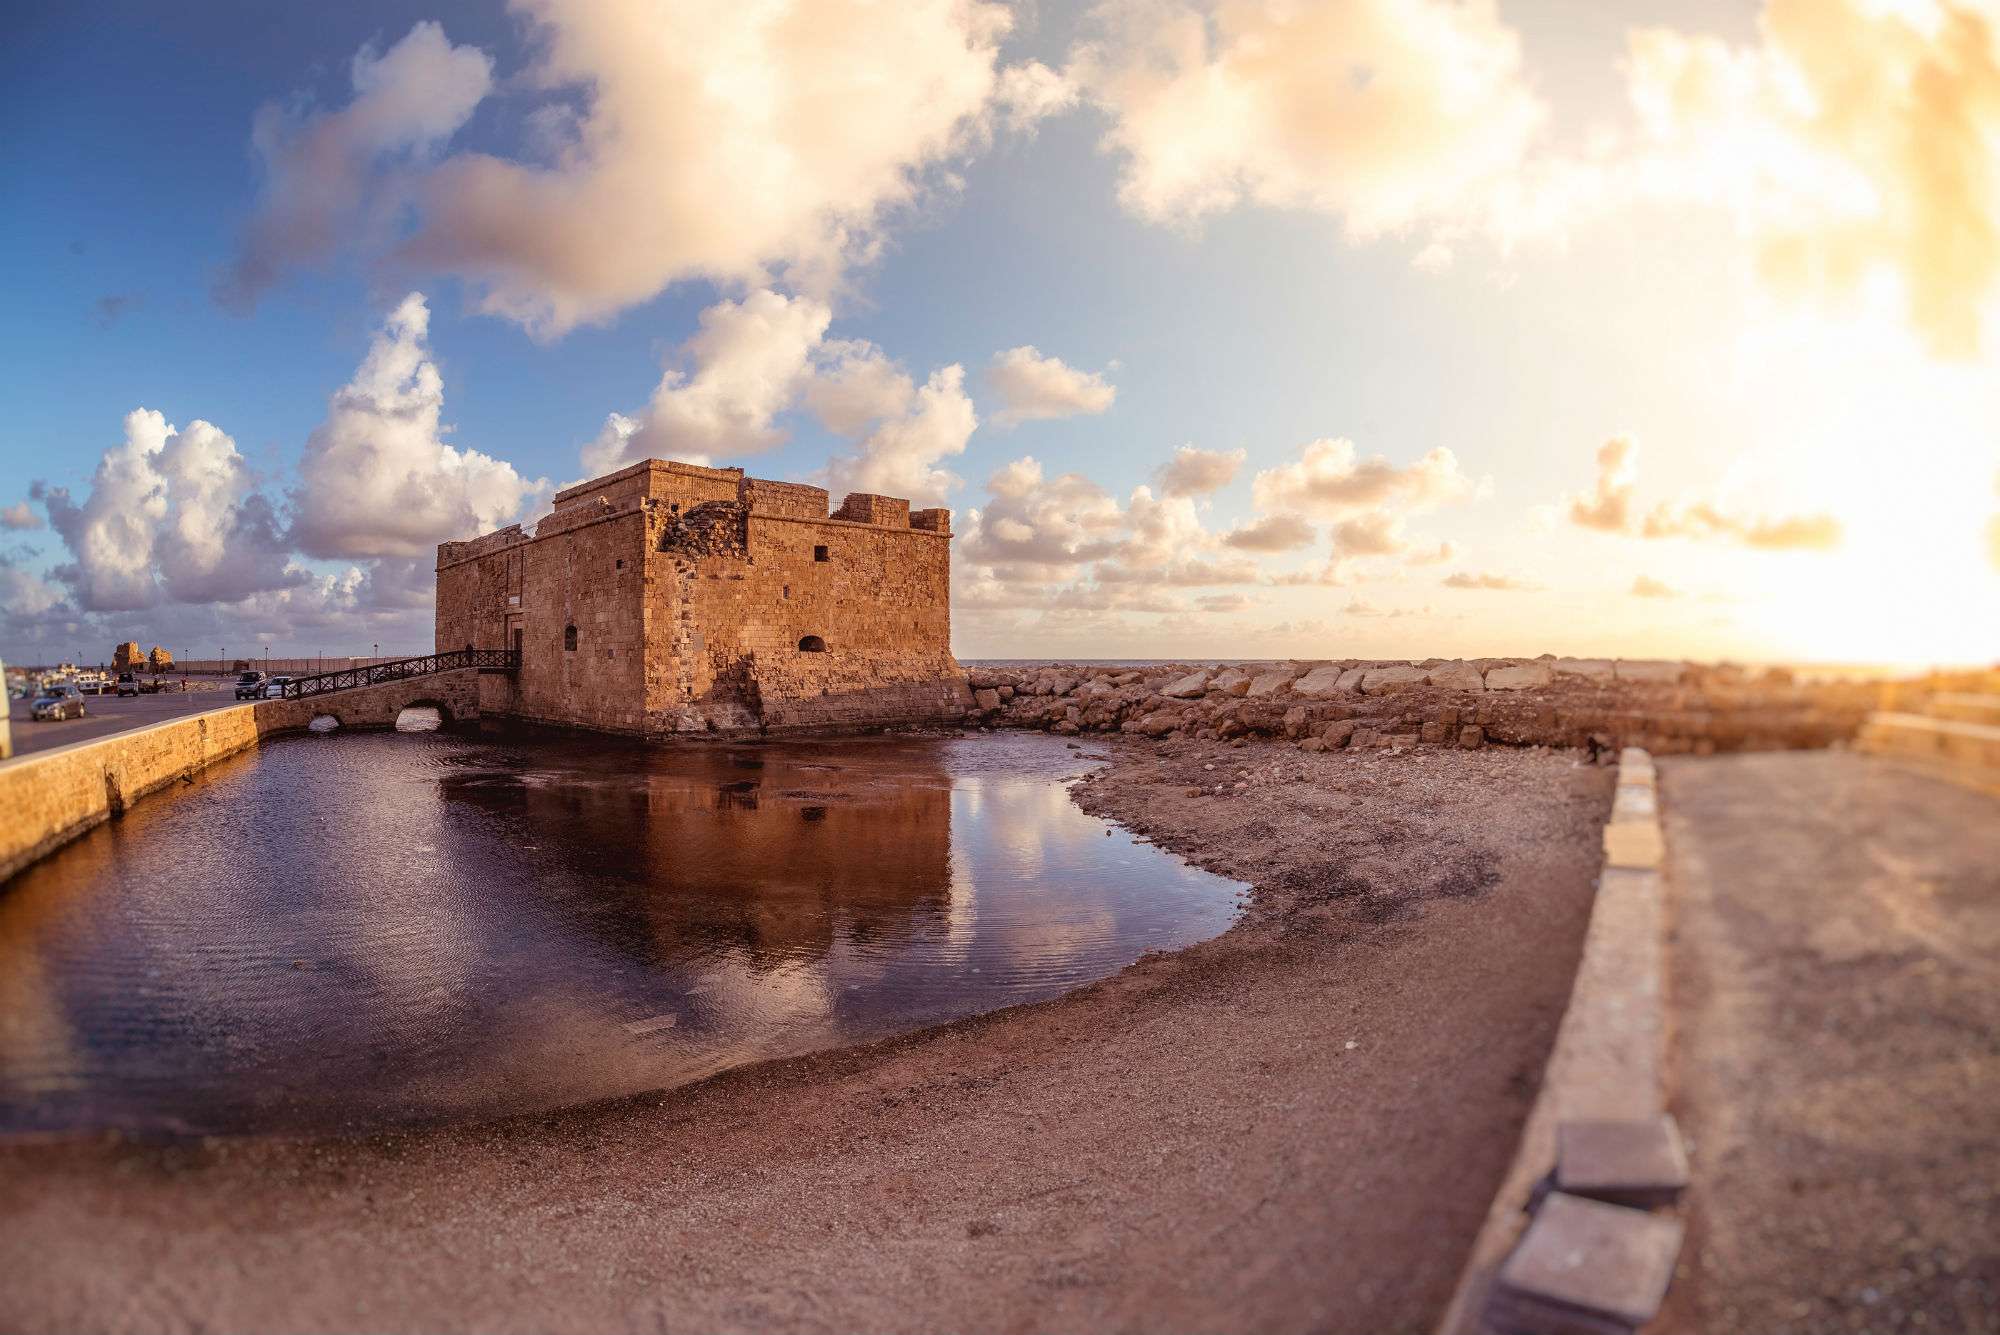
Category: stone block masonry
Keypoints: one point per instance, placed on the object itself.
(51, 797)
(668, 599)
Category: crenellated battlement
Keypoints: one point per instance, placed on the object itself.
(671, 598)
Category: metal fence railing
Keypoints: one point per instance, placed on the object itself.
(402, 669)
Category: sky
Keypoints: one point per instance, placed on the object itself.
(1252, 328)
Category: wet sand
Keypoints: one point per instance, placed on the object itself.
(1296, 1125)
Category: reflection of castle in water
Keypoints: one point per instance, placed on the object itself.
(780, 856)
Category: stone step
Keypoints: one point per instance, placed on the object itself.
(1965, 707)
(1636, 1161)
(1585, 1268)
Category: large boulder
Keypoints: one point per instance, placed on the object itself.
(1458, 675)
(1319, 683)
(1518, 677)
(1382, 680)
(1188, 687)
(1652, 671)
(1590, 669)
(986, 699)
(1231, 681)
(1270, 683)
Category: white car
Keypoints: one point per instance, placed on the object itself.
(274, 689)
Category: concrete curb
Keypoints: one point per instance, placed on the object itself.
(1610, 1055)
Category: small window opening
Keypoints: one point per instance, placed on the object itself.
(812, 644)
(621, 563)
(569, 637)
(788, 591)
(819, 554)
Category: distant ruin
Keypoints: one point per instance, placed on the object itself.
(128, 657)
(668, 598)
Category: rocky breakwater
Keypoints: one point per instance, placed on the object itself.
(1666, 707)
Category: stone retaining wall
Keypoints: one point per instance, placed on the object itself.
(50, 797)
(1665, 706)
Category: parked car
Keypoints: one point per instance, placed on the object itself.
(128, 683)
(57, 702)
(250, 686)
(274, 689)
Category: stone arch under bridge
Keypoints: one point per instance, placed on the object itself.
(455, 695)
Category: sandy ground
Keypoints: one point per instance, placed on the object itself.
(1296, 1126)
(1837, 992)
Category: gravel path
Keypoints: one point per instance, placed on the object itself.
(1295, 1126)
(1837, 991)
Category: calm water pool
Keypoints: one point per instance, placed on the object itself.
(349, 931)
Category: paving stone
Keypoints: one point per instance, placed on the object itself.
(1633, 1161)
(1585, 1266)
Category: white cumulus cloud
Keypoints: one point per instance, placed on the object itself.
(320, 171)
(1330, 479)
(724, 142)
(171, 516)
(1386, 113)
(377, 478)
(1198, 472)
(1032, 387)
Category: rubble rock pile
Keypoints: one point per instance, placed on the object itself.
(1667, 707)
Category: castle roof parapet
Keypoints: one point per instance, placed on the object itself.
(451, 553)
(787, 500)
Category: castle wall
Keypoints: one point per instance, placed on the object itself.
(479, 590)
(703, 600)
(872, 598)
(587, 576)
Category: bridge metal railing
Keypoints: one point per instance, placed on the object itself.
(402, 669)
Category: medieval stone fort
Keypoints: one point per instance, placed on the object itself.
(670, 598)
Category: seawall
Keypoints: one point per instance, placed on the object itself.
(51, 797)
(1665, 706)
